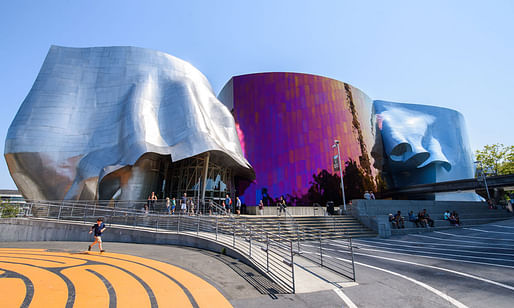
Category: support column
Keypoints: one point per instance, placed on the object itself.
(205, 170)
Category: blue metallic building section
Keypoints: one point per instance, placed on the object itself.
(94, 111)
(422, 144)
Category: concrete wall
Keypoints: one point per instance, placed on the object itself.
(374, 213)
(21, 229)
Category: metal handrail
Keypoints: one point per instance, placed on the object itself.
(324, 259)
(300, 237)
(272, 256)
(313, 246)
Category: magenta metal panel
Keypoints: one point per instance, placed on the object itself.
(287, 124)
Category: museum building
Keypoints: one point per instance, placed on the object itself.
(117, 123)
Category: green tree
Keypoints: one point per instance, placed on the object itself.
(496, 159)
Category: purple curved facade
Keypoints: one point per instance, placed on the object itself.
(287, 124)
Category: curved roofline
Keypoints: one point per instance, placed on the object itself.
(417, 104)
(288, 72)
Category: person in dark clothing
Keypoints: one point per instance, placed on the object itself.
(281, 206)
(454, 219)
(98, 229)
(421, 219)
(228, 203)
(400, 222)
(429, 220)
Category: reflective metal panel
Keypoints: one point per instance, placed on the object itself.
(423, 144)
(92, 111)
(287, 124)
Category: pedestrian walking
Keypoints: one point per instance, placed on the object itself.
(192, 206)
(173, 205)
(151, 201)
(281, 206)
(168, 205)
(183, 204)
(261, 208)
(238, 206)
(228, 203)
(98, 229)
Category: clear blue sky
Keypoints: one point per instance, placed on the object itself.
(455, 54)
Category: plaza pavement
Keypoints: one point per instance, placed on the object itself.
(465, 267)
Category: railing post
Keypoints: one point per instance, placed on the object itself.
(292, 265)
(250, 246)
(197, 225)
(178, 224)
(85, 209)
(233, 234)
(320, 249)
(267, 253)
(72, 207)
(298, 237)
(94, 209)
(279, 231)
(353, 263)
(216, 227)
(59, 215)
(48, 212)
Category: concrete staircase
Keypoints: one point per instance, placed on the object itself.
(332, 227)
(471, 213)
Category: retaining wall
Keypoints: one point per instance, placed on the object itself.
(24, 229)
(374, 213)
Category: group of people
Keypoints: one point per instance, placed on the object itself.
(186, 205)
(369, 195)
(452, 217)
(281, 206)
(421, 220)
(228, 206)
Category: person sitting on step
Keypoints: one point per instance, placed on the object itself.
(393, 221)
(400, 222)
(413, 218)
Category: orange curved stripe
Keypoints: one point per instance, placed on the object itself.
(39, 260)
(12, 292)
(204, 293)
(90, 291)
(167, 293)
(49, 289)
(129, 292)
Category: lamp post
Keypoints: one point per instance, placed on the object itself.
(336, 145)
(485, 179)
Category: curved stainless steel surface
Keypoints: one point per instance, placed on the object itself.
(93, 111)
(423, 144)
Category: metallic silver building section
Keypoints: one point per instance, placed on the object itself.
(95, 111)
(424, 144)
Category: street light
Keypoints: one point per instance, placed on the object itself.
(485, 180)
(336, 145)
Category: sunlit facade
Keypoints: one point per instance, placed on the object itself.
(287, 124)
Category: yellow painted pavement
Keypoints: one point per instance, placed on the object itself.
(12, 292)
(42, 269)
